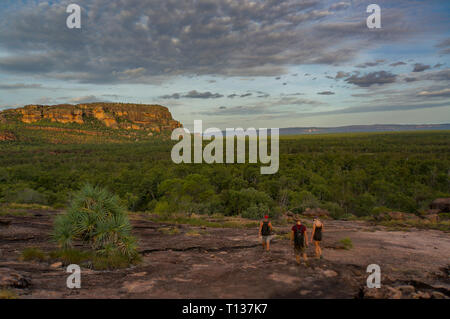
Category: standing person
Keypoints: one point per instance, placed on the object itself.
(317, 236)
(299, 238)
(265, 230)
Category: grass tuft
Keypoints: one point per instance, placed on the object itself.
(71, 256)
(7, 294)
(33, 254)
(169, 230)
(95, 260)
(346, 243)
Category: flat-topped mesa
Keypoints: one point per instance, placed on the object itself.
(154, 118)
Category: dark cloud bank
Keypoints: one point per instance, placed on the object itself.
(143, 41)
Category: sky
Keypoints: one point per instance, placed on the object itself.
(240, 63)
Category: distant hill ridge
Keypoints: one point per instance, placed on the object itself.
(154, 118)
(355, 129)
(364, 128)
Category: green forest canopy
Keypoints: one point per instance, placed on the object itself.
(357, 174)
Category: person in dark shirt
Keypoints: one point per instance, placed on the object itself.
(265, 231)
(299, 239)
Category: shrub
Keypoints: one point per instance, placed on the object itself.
(300, 201)
(163, 208)
(97, 218)
(363, 204)
(27, 196)
(336, 211)
(379, 213)
(239, 202)
(255, 212)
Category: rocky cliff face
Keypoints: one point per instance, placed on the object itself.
(155, 118)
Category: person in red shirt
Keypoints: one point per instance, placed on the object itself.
(299, 238)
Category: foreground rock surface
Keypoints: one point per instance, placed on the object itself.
(230, 263)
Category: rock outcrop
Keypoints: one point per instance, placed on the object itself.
(441, 205)
(397, 216)
(316, 212)
(155, 118)
(11, 278)
(7, 136)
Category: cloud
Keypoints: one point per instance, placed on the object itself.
(444, 92)
(419, 67)
(325, 93)
(292, 94)
(193, 95)
(86, 99)
(435, 75)
(19, 86)
(369, 64)
(151, 41)
(271, 106)
(410, 79)
(444, 45)
(341, 74)
(262, 94)
(377, 108)
(114, 96)
(339, 6)
(130, 73)
(397, 63)
(378, 77)
(46, 101)
(442, 75)
(202, 95)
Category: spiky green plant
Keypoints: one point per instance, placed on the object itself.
(97, 218)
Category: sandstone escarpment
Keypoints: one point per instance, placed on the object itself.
(7, 136)
(154, 118)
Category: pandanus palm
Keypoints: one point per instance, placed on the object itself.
(97, 218)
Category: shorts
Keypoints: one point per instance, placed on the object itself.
(299, 249)
(266, 239)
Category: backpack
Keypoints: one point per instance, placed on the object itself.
(265, 231)
(299, 238)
